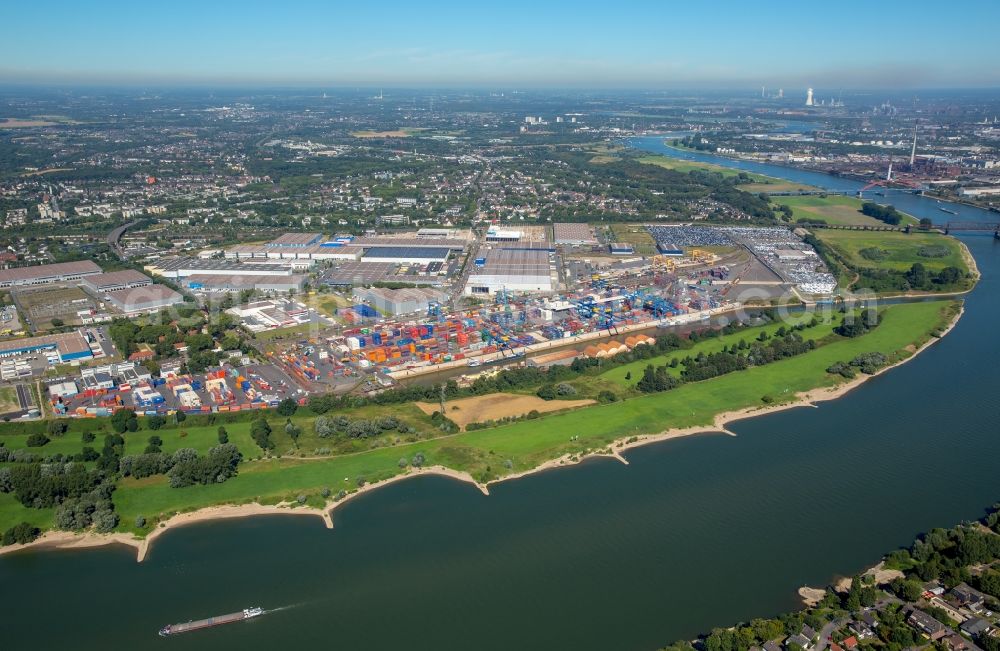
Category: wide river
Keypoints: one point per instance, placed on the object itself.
(693, 533)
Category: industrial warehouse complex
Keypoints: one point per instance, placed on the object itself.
(381, 307)
(65, 347)
(148, 298)
(115, 280)
(48, 273)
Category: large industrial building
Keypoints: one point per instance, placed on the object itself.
(182, 267)
(115, 280)
(495, 234)
(366, 273)
(392, 302)
(410, 241)
(406, 254)
(324, 251)
(295, 240)
(48, 273)
(140, 300)
(574, 234)
(236, 283)
(68, 346)
(513, 270)
(267, 315)
(302, 247)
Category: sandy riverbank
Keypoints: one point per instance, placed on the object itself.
(71, 540)
(879, 573)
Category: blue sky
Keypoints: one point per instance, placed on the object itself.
(621, 44)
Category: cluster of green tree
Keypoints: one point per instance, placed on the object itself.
(553, 391)
(339, 166)
(858, 324)
(92, 508)
(39, 486)
(124, 420)
(888, 280)
(287, 407)
(933, 251)
(739, 356)
(842, 368)
(894, 634)
(185, 467)
(21, 534)
(886, 214)
(873, 253)
(752, 634)
(757, 206)
(37, 440)
(743, 355)
(443, 423)
(494, 422)
(186, 328)
(326, 427)
(215, 467)
(947, 554)
(694, 142)
(918, 277)
(260, 432)
(867, 363)
(656, 380)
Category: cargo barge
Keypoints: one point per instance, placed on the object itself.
(246, 613)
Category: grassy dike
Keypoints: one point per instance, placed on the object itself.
(529, 444)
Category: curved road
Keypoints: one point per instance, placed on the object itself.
(115, 236)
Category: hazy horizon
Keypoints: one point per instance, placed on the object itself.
(630, 45)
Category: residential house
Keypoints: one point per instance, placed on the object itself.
(141, 356)
(862, 630)
(969, 597)
(798, 641)
(976, 626)
(869, 618)
(956, 642)
(926, 624)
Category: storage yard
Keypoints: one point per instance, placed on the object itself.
(532, 300)
(792, 261)
(541, 296)
(101, 390)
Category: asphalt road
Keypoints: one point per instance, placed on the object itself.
(115, 236)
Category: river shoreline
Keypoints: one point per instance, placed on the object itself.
(73, 540)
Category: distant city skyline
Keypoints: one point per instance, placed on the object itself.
(586, 44)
